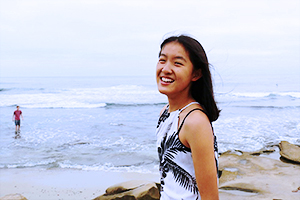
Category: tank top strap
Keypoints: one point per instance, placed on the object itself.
(187, 106)
(187, 116)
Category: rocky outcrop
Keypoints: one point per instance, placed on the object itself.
(132, 190)
(255, 175)
(13, 197)
(290, 151)
(245, 175)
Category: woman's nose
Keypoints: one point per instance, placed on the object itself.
(167, 68)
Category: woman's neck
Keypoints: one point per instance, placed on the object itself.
(178, 103)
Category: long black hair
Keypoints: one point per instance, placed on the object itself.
(202, 89)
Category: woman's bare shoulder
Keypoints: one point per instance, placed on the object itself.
(195, 128)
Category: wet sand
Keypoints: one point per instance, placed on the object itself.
(54, 184)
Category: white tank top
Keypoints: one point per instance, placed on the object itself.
(176, 168)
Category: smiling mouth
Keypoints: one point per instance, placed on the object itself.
(167, 80)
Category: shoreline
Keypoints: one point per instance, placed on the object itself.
(255, 175)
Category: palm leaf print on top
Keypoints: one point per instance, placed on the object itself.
(163, 117)
(169, 149)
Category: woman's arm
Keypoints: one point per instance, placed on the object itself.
(198, 136)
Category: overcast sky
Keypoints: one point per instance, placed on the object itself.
(107, 37)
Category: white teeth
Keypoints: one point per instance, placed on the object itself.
(166, 80)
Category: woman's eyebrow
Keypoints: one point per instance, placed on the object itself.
(176, 57)
(180, 58)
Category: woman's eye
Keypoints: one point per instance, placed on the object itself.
(161, 60)
(178, 63)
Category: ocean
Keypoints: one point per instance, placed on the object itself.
(108, 123)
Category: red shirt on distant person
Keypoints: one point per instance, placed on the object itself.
(16, 117)
(17, 114)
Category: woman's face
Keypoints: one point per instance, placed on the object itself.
(174, 71)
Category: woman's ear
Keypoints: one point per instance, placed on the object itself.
(197, 74)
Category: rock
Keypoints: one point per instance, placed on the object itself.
(289, 151)
(125, 186)
(245, 175)
(132, 190)
(13, 197)
(263, 151)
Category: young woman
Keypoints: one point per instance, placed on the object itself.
(186, 143)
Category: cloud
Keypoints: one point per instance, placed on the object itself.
(105, 37)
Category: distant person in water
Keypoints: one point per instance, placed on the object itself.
(16, 117)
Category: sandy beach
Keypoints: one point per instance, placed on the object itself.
(55, 184)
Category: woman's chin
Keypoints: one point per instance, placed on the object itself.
(163, 91)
